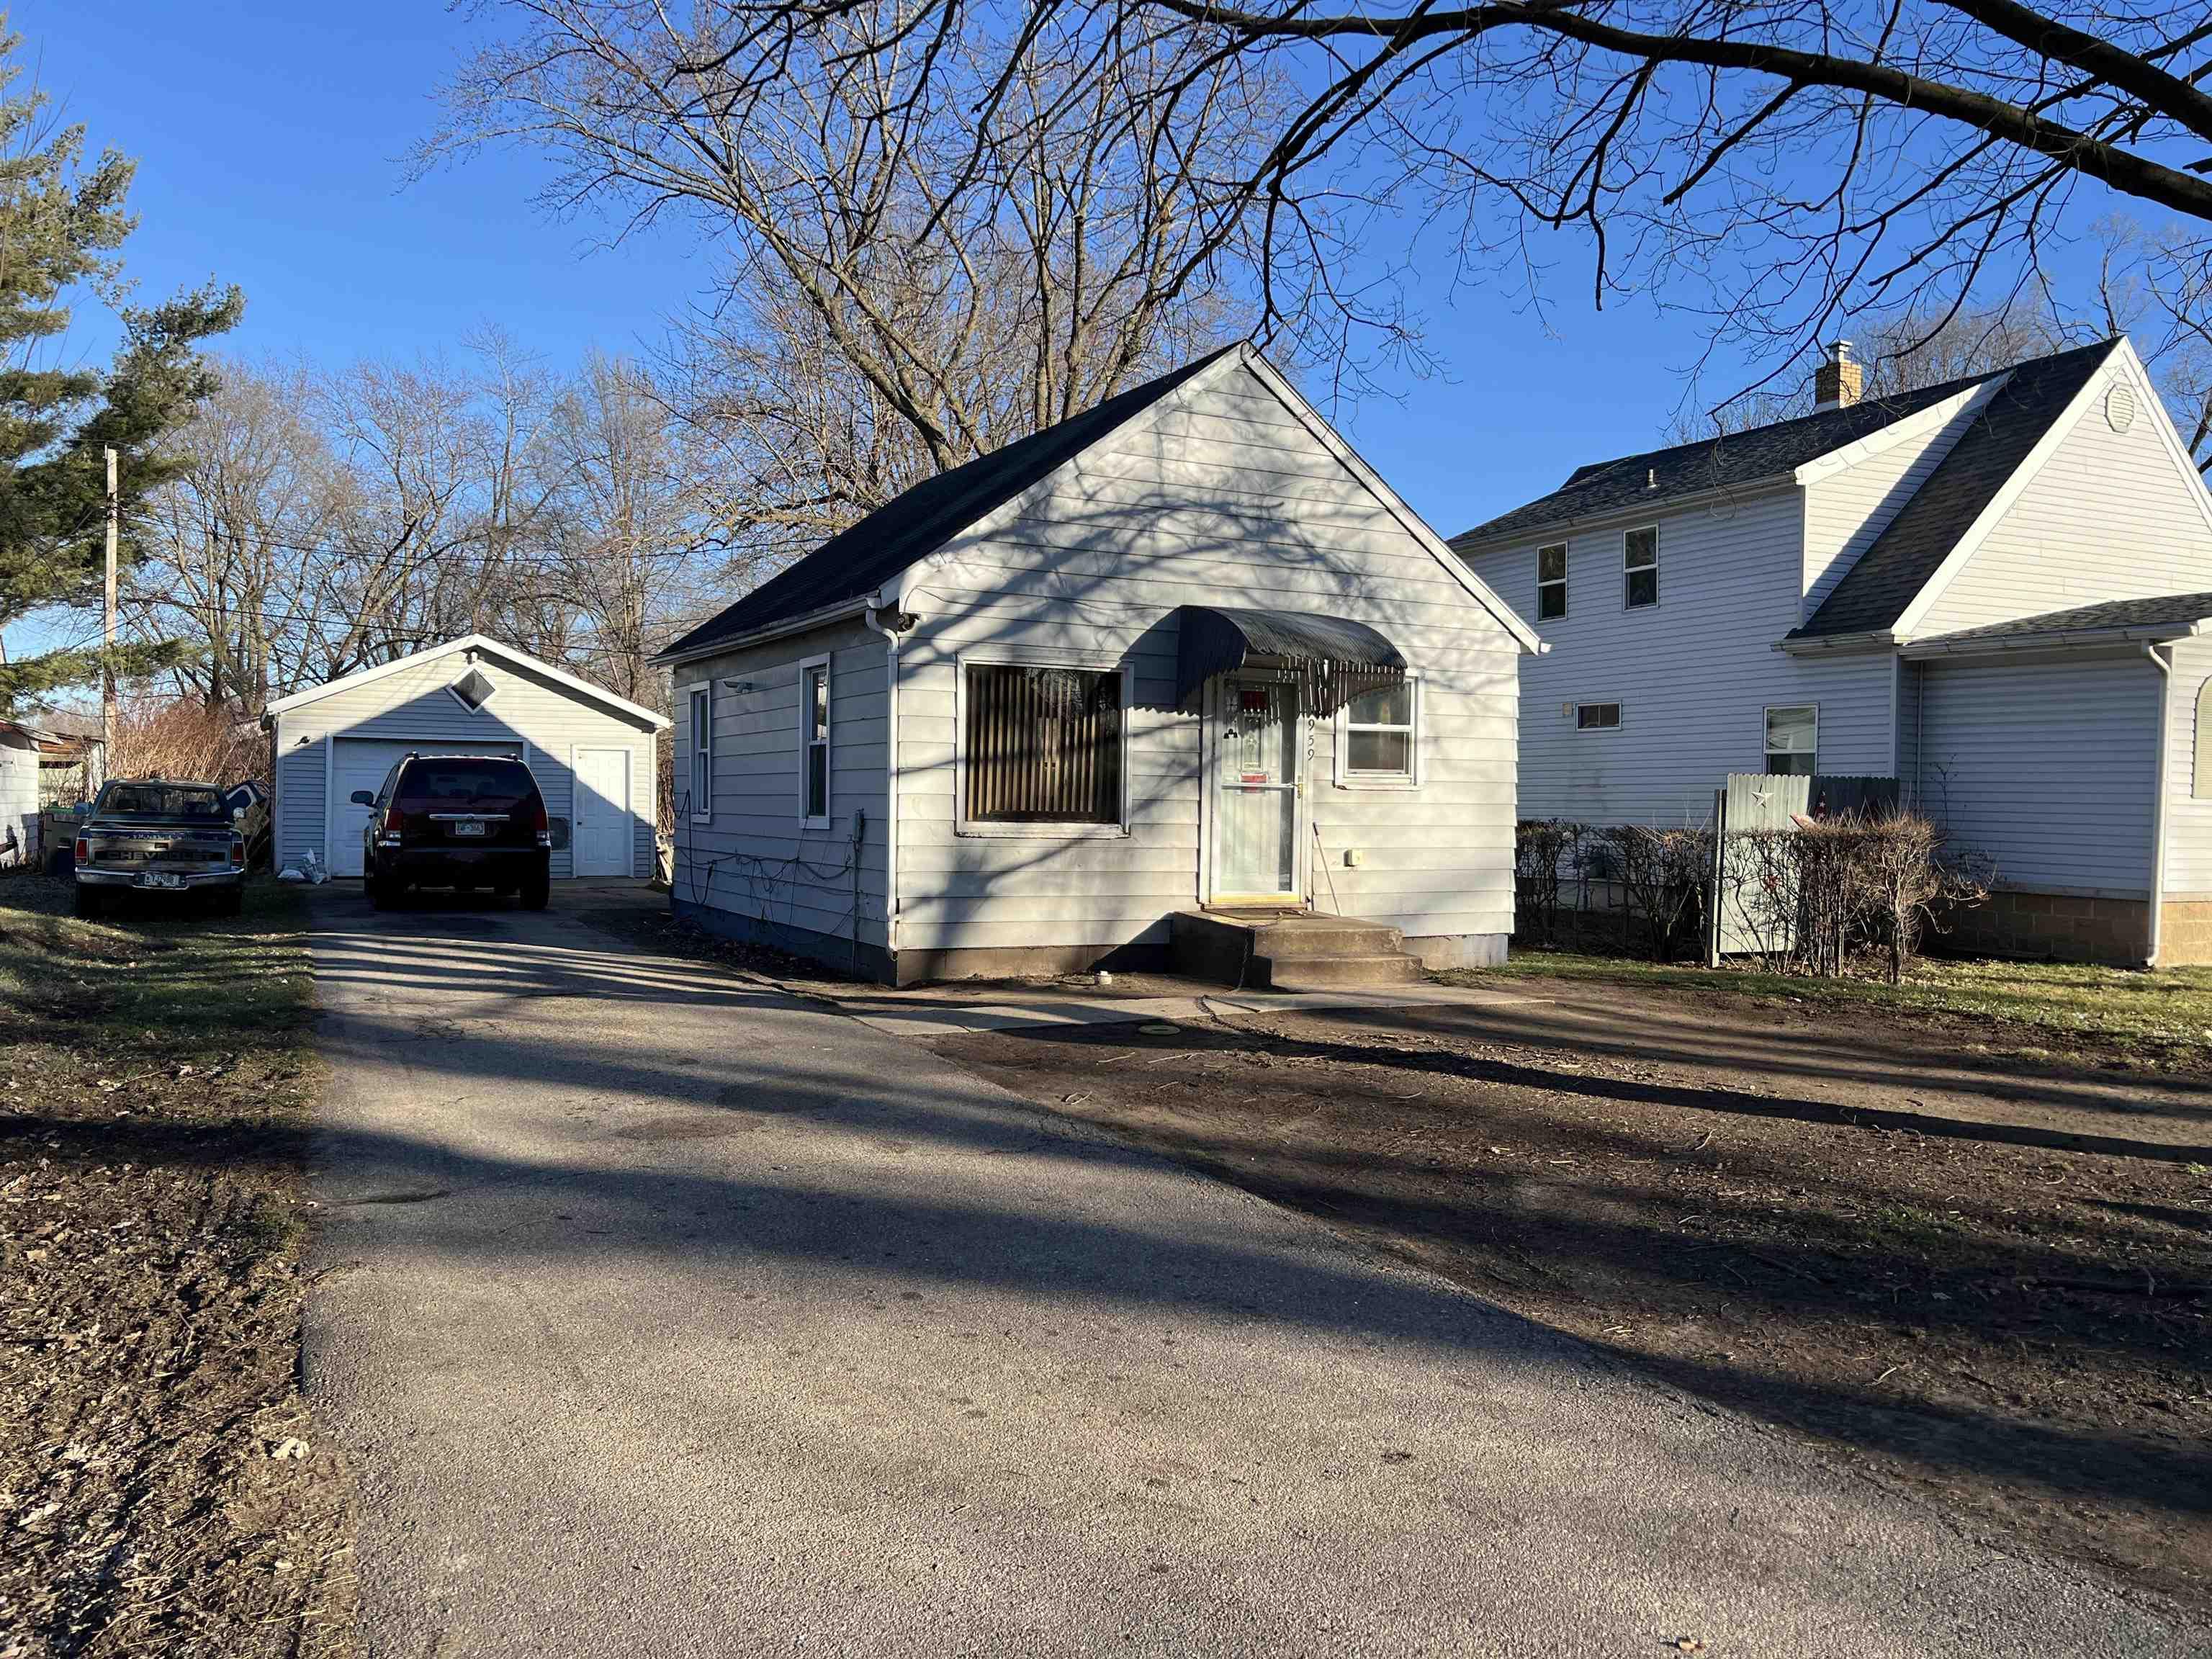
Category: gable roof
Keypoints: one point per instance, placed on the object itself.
(1890, 574)
(2167, 616)
(488, 646)
(1734, 460)
(916, 522)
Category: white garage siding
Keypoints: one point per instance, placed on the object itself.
(353, 728)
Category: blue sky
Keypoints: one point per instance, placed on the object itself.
(269, 135)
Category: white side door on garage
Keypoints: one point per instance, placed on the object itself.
(361, 764)
(603, 835)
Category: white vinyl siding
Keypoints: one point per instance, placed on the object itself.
(1853, 502)
(1220, 496)
(758, 858)
(1694, 677)
(2188, 784)
(412, 706)
(2047, 766)
(2112, 515)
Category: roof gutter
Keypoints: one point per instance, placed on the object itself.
(1830, 645)
(2064, 639)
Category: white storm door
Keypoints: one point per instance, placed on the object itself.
(602, 813)
(1260, 810)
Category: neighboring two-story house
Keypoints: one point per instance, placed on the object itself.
(1991, 590)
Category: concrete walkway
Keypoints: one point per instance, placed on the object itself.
(660, 1314)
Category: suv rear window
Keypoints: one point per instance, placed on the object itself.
(162, 800)
(464, 786)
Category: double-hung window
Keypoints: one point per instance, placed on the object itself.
(702, 753)
(1793, 741)
(1040, 749)
(1551, 582)
(1640, 561)
(814, 724)
(1378, 740)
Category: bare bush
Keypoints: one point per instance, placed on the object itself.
(183, 737)
(1664, 875)
(1544, 851)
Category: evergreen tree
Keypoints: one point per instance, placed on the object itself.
(62, 222)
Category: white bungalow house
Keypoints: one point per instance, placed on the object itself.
(1183, 655)
(1990, 590)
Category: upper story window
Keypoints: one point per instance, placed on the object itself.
(1793, 741)
(814, 722)
(1640, 551)
(1378, 738)
(1551, 582)
(702, 752)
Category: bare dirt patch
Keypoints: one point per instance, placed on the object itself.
(1989, 1283)
(161, 1490)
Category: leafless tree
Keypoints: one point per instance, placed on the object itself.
(1787, 168)
(935, 229)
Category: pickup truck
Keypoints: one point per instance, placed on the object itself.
(163, 837)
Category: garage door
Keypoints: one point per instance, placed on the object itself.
(360, 763)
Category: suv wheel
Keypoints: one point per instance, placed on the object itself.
(373, 889)
(537, 891)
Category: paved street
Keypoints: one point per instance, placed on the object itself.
(663, 1316)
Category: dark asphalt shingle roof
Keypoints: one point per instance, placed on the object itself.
(1890, 573)
(915, 523)
(1734, 460)
(2174, 610)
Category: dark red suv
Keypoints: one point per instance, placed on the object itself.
(460, 821)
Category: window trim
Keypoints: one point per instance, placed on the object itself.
(1560, 582)
(1766, 754)
(1009, 656)
(1628, 571)
(1620, 716)
(701, 722)
(806, 666)
(1345, 778)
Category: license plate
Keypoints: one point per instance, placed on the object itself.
(161, 880)
(466, 829)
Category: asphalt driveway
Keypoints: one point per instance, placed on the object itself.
(660, 1314)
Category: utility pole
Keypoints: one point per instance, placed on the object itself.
(107, 632)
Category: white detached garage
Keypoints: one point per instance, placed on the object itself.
(593, 753)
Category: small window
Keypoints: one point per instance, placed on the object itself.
(1793, 741)
(1379, 743)
(1551, 582)
(702, 754)
(814, 721)
(1042, 746)
(1641, 556)
(1597, 717)
(473, 689)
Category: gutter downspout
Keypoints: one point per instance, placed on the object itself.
(891, 785)
(2158, 816)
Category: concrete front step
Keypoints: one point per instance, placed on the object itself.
(1266, 950)
(1341, 973)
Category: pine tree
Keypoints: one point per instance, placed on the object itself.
(62, 223)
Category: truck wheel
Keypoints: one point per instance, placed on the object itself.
(90, 901)
(229, 900)
(536, 891)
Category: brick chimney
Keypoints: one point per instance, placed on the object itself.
(1837, 382)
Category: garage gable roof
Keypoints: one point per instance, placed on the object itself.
(490, 647)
